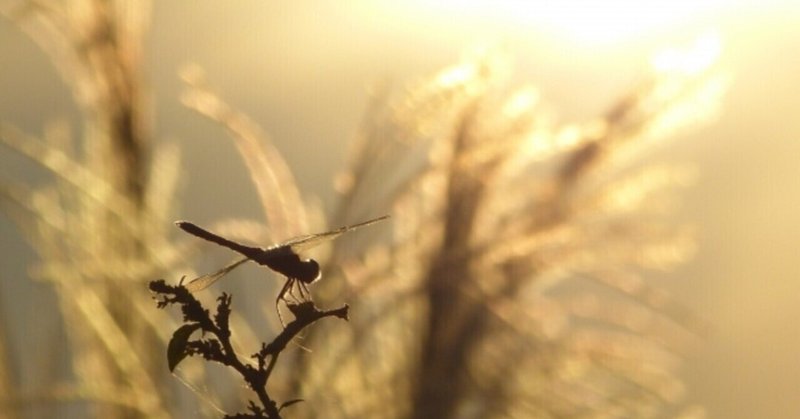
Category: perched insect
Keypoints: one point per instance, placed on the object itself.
(282, 258)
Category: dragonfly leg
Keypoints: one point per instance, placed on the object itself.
(291, 294)
(305, 293)
(287, 287)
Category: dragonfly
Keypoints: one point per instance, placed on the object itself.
(283, 258)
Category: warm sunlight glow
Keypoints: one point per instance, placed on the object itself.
(690, 61)
(613, 21)
(592, 23)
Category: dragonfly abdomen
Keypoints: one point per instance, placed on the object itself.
(193, 229)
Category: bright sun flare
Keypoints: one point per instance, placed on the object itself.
(586, 22)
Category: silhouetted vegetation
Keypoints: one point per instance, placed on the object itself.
(218, 347)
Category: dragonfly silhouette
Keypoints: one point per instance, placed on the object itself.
(282, 258)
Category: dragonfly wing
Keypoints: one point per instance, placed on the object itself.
(205, 281)
(299, 244)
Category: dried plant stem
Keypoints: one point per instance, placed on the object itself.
(104, 218)
(274, 182)
(218, 347)
(452, 326)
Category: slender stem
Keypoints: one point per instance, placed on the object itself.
(254, 378)
(272, 361)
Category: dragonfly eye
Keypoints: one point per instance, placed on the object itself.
(309, 271)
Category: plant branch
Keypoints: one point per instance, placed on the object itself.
(218, 347)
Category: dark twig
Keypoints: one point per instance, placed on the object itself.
(218, 347)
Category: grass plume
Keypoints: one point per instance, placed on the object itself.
(514, 282)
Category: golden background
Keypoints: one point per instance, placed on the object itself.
(302, 70)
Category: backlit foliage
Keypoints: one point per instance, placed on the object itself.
(515, 284)
(512, 281)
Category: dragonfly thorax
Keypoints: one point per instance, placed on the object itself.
(289, 264)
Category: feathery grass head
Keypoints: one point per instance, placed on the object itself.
(513, 284)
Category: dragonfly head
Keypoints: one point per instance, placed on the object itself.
(308, 271)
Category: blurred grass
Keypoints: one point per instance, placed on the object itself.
(512, 282)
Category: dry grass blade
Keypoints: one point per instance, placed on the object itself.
(60, 164)
(92, 229)
(273, 180)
